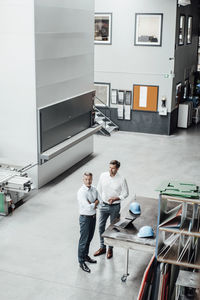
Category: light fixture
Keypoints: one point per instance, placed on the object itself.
(184, 2)
(163, 108)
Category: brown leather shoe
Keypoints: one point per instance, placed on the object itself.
(100, 252)
(109, 253)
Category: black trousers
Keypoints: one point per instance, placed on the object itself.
(87, 227)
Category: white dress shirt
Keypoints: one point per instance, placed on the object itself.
(109, 187)
(86, 198)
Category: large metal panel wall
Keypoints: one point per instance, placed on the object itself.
(64, 49)
(64, 54)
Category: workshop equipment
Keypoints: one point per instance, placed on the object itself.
(135, 208)
(14, 185)
(145, 231)
(127, 237)
(186, 282)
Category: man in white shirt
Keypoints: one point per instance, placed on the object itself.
(88, 200)
(112, 188)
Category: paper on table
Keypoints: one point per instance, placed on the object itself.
(143, 96)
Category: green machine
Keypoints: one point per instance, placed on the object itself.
(174, 188)
(3, 204)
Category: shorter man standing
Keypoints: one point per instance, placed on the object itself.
(88, 201)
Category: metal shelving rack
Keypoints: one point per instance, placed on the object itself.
(179, 245)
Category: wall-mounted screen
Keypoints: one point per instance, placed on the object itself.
(63, 120)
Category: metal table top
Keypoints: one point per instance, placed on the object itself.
(127, 238)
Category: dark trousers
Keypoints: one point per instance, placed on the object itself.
(87, 227)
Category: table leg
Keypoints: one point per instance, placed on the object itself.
(126, 274)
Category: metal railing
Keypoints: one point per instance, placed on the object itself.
(106, 111)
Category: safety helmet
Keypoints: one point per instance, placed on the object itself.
(135, 208)
(145, 231)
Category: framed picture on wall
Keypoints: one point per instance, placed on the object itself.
(148, 29)
(128, 96)
(120, 111)
(189, 30)
(181, 33)
(102, 93)
(114, 98)
(127, 112)
(121, 97)
(103, 28)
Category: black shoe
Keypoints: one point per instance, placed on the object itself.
(84, 267)
(90, 260)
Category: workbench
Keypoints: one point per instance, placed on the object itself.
(127, 238)
(14, 184)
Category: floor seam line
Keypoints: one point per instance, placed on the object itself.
(56, 282)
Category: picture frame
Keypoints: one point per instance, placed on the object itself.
(120, 112)
(127, 112)
(189, 30)
(103, 28)
(148, 29)
(114, 97)
(121, 97)
(181, 30)
(102, 93)
(128, 96)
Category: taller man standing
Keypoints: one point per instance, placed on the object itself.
(112, 188)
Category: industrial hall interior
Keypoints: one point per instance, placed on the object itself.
(100, 149)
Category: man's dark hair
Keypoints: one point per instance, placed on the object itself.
(88, 174)
(116, 163)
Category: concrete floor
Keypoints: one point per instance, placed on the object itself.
(38, 243)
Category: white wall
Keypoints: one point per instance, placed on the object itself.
(123, 64)
(18, 131)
